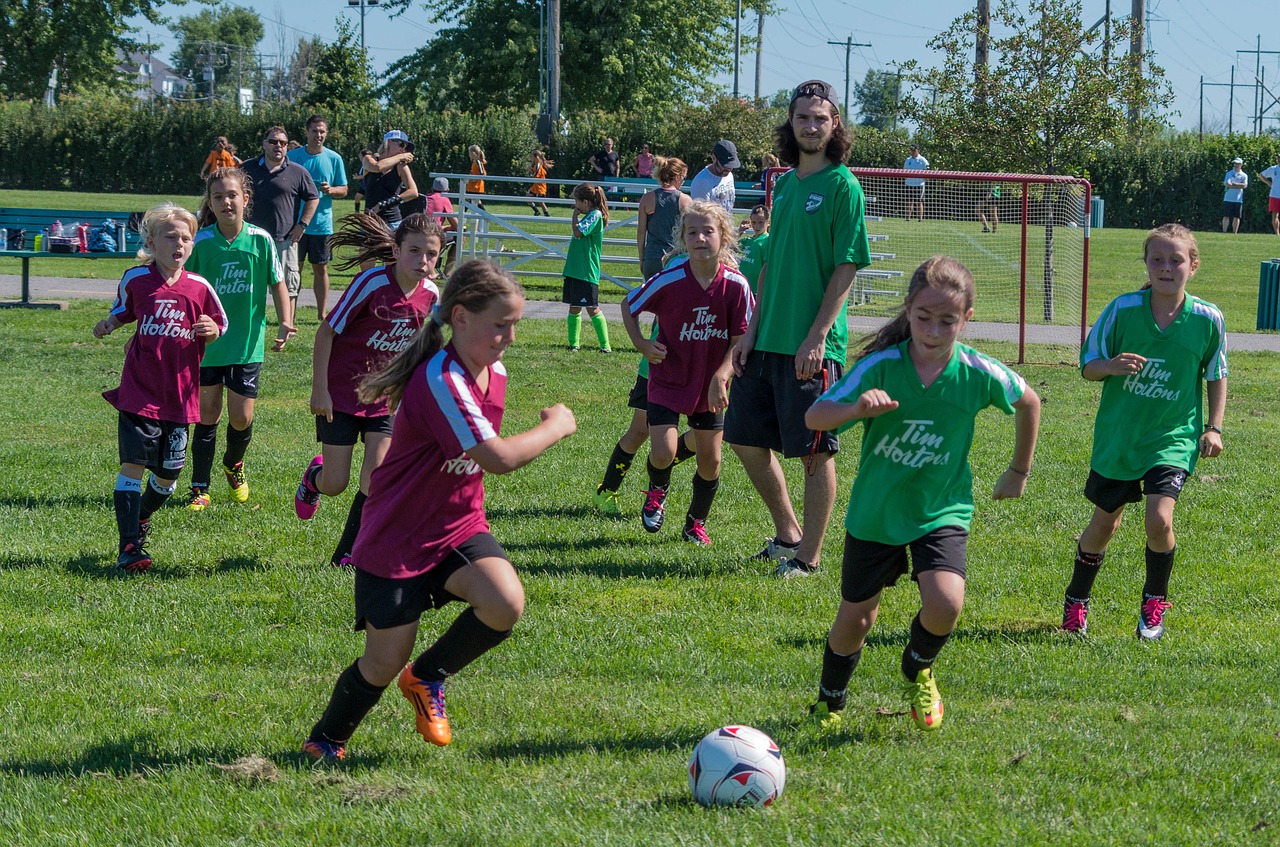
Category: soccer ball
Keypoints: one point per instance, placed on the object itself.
(736, 766)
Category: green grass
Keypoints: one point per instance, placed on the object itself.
(123, 698)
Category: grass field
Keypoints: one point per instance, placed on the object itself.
(169, 708)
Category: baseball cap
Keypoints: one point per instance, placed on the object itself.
(1237, 161)
(726, 154)
(399, 135)
(817, 88)
(439, 184)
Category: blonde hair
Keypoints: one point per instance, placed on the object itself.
(474, 285)
(1172, 232)
(156, 217)
(941, 273)
(769, 161)
(718, 215)
(206, 216)
(475, 148)
(594, 195)
(670, 171)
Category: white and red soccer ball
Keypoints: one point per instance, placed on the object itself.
(736, 766)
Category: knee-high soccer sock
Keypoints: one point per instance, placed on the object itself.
(658, 477)
(1082, 576)
(462, 643)
(601, 325)
(575, 329)
(351, 700)
(619, 464)
(921, 650)
(128, 503)
(153, 497)
(1159, 566)
(204, 442)
(237, 443)
(350, 530)
(837, 670)
(704, 491)
(683, 451)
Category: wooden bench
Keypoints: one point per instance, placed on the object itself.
(36, 220)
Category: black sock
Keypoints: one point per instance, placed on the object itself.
(837, 670)
(204, 443)
(465, 641)
(153, 498)
(351, 700)
(619, 464)
(1159, 566)
(682, 450)
(128, 504)
(350, 530)
(704, 491)
(1085, 572)
(237, 443)
(658, 477)
(921, 650)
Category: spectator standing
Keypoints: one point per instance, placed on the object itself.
(605, 163)
(330, 177)
(915, 185)
(438, 205)
(1236, 181)
(658, 215)
(221, 156)
(644, 162)
(1271, 176)
(715, 181)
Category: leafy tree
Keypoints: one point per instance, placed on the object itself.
(1049, 101)
(877, 99)
(290, 77)
(340, 72)
(646, 54)
(224, 38)
(82, 39)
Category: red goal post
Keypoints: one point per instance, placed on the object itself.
(1030, 261)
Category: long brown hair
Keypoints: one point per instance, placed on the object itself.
(374, 241)
(473, 286)
(594, 195)
(788, 150)
(206, 215)
(942, 273)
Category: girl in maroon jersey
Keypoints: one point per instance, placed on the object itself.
(376, 318)
(159, 392)
(424, 540)
(703, 305)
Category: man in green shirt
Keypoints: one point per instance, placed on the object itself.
(795, 346)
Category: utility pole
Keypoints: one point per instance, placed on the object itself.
(1138, 23)
(759, 47)
(362, 4)
(848, 45)
(1260, 91)
(553, 59)
(982, 51)
(737, 48)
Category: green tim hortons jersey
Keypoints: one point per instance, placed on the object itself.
(583, 259)
(242, 271)
(753, 249)
(1153, 417)
(818, 222)
(914, 474)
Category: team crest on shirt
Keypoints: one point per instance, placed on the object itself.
(814, 203)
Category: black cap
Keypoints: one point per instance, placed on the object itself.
(817, 88)
(726, 154)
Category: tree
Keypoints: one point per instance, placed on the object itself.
(877, 99)
(340, 72)
(1050, 100)
(223, 39)
(81, 39)
(644, 54)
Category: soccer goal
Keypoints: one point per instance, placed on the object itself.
(1030, 259)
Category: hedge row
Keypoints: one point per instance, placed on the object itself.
(125, 146)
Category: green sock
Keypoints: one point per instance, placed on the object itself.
(575, 329)
(601, 326)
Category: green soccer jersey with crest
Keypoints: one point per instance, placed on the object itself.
(818, 222)
(1153, 417)
(913, 476)
(583, 259)
(242, 271)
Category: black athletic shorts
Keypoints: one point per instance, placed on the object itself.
(314, 249)
(347, 428)
(384, 603)
(768, 404)
(870, 567)
(159, 446)
(660, 415)
(639, 397)
(579, 292)
(242, 379)
(1110, 494)
(1231, 210)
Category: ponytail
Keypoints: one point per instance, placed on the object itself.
(391, 380)
(368, 235)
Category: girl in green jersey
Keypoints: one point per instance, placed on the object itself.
(582, 264)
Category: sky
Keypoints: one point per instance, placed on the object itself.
(1191, 39)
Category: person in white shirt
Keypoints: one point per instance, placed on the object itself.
(1271, 176)
(715, 181)
(915, 185)
(1236, 182)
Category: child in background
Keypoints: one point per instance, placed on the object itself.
(1152, 349)
(438, 205)
(538, 166)
(375, 319)
(703, 306)
(425, 540)
(582, 264)
(241, 262)
(476, 186)
(158, 396)
(918, 390)
(223, 155)
(754, 232)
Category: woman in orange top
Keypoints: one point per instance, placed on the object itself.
(219, 157)
(476, 186)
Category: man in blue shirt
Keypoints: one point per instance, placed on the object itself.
(330, 176)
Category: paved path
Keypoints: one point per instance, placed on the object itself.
(59, 288)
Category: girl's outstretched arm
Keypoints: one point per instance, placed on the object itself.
(828, 415)
(503, 455)
(1026, 425)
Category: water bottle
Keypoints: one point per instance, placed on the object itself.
(4, 238)
(39, 241)
(56, 231)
